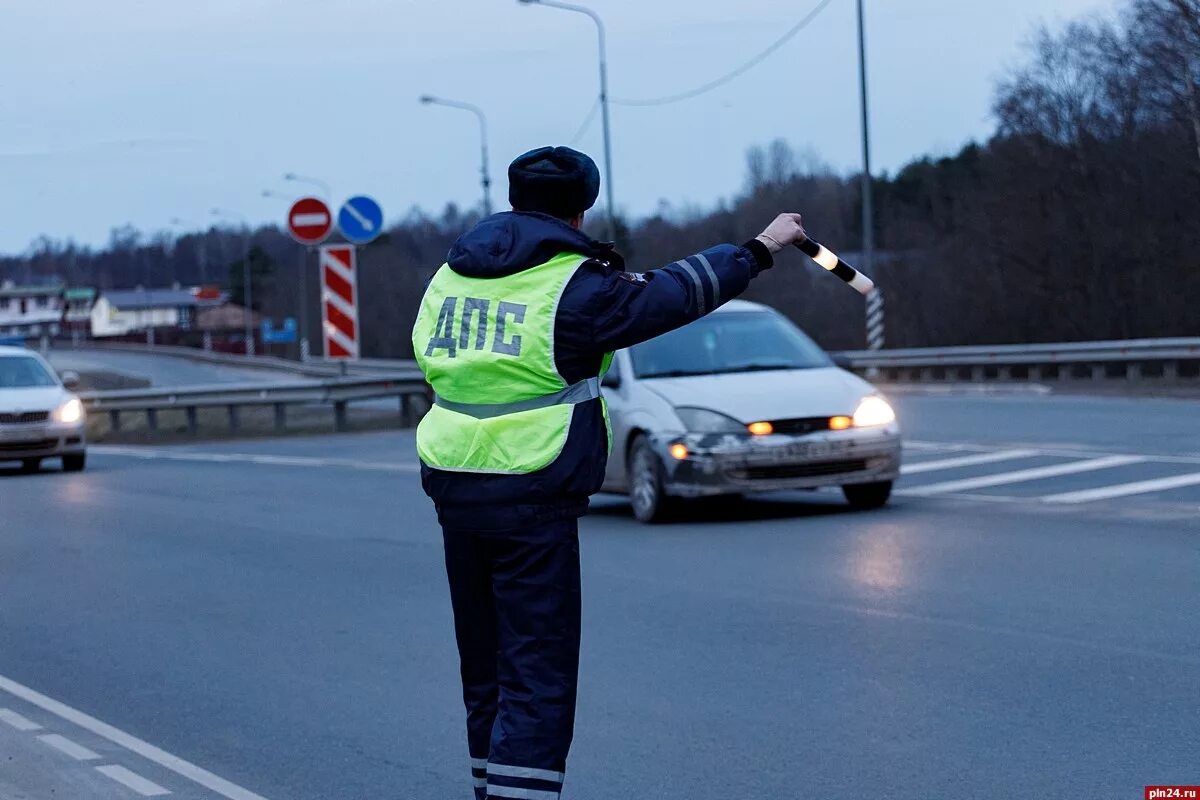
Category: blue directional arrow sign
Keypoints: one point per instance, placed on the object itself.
(360, 220)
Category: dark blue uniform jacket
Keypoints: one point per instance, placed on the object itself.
(603, 308)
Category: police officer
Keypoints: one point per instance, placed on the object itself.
(514, 333)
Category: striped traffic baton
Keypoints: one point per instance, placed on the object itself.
(830, 261)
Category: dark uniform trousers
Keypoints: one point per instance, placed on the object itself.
(514, 586)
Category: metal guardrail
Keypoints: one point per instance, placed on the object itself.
(364, 365)
(1037, 361)
(335, 392)
(338, 383)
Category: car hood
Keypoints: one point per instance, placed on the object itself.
(39, 398)
(777, 394)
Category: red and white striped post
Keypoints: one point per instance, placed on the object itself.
(339, 300)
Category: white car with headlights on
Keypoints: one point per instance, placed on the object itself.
(40, 417)
(742, 401)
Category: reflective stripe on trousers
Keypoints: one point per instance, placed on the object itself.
(523, 783)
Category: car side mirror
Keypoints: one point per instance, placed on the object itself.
(611, 380)
(843, 361)
(70, 381)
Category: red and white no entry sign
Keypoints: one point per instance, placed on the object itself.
(309, 220)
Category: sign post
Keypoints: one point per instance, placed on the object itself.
(309, 221)
(360, 221)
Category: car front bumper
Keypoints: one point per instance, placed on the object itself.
(42, 440)
(733, 464)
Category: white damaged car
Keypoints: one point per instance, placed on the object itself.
(742, 401)
(40, 417)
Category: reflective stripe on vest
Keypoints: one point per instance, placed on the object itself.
(580, 392)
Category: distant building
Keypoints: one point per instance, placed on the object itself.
(30, 310)
(125, 311)
(77, 308)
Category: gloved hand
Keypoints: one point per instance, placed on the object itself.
(786, 230)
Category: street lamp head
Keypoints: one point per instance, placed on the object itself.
(529, 2)
(291, 176)
(426, 99)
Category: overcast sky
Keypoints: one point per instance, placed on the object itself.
(139, 111)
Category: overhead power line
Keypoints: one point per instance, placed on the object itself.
(587, 123)
(726, 78)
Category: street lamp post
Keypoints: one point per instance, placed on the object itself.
(320, 184)
(247, 285)
(486, 179)
(201, 248)
(608, 172)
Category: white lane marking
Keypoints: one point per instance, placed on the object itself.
(965, 461)
(1125, 489)
(1020, 476)
(1058, 452)
(145, 788)
(252, 458)
(65, 745)
(144, 749)
(17, 721)
(915, 445)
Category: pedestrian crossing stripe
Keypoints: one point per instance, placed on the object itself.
(1076, 462)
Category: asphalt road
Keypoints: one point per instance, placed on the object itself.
(1022, 620)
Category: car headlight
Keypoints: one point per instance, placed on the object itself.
(70, 411)
(701, 420)
(872, 412)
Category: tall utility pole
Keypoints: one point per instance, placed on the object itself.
(875, 313)
(868, 215)
(486, 178)
(608, 171)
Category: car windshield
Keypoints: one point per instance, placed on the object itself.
(23, 372)
(730, 341)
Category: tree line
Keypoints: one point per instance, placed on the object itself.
(1078, 219)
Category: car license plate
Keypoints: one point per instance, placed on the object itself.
(22, 433)
(799, 451)
(790, 452)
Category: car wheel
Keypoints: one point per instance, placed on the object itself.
(29, 465)
(868, 495)
(74, 462)
(646, 493)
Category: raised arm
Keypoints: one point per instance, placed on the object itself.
(625, 308)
